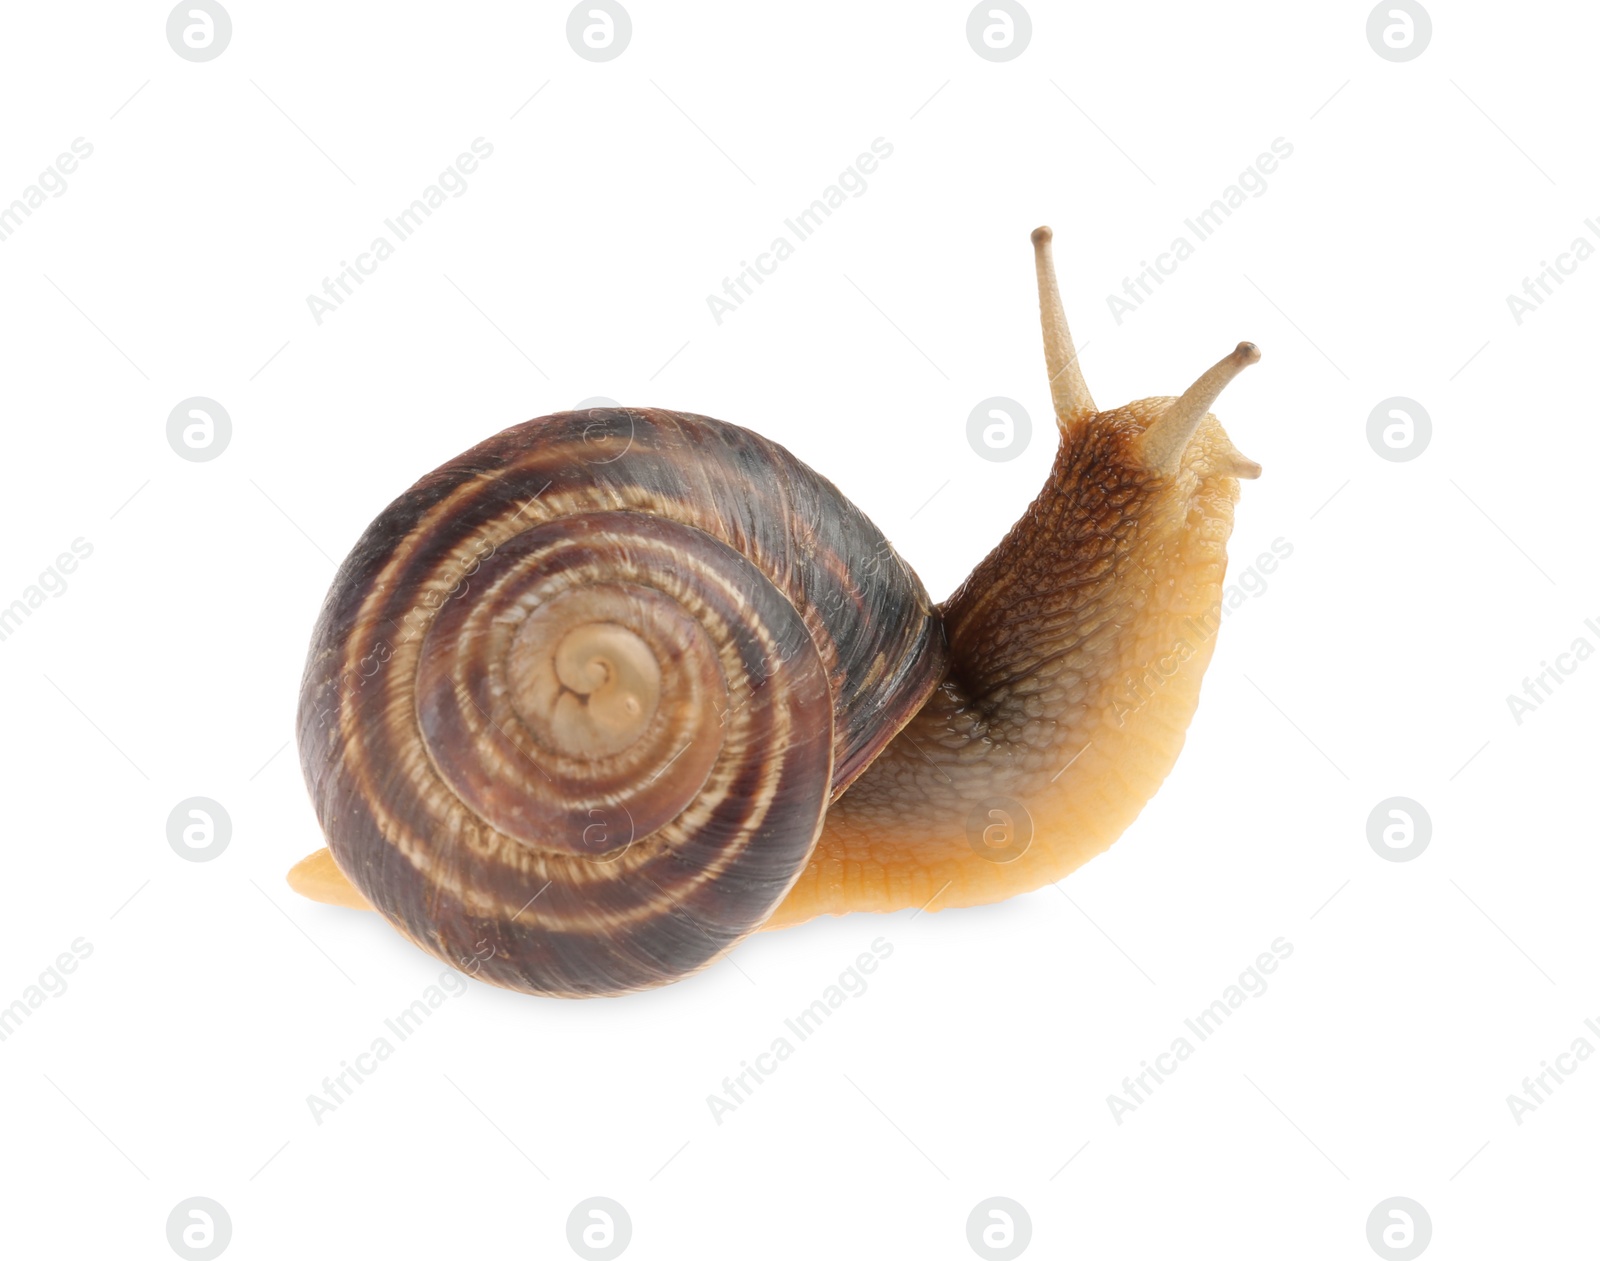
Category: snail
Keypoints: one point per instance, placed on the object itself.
(610, 691)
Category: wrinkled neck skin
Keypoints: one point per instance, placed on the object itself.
(1077, 649)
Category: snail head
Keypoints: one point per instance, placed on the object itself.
(1173, 446)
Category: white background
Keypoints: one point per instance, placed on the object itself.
(1376, 662)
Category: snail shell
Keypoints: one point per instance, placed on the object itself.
(578, 701)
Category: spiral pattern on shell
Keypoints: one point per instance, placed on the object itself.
(577, 702)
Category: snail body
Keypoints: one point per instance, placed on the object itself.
(601, 696)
